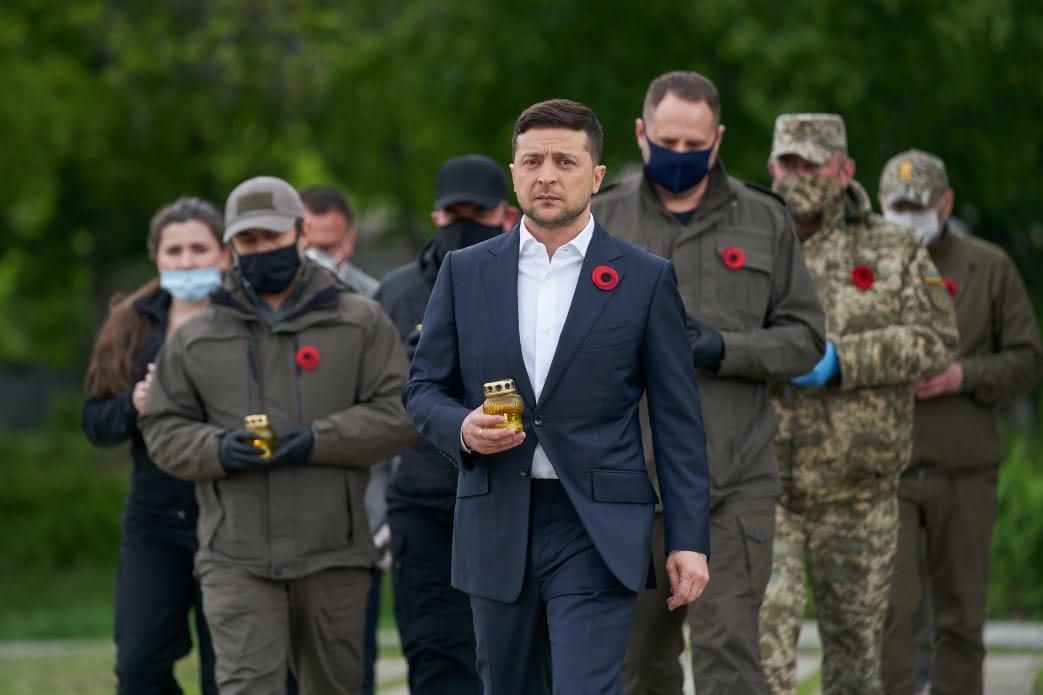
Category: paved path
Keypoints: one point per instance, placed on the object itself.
(1015, 657)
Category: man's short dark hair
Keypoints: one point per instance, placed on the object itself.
(561, 113)
(685, 85)
(322, 199)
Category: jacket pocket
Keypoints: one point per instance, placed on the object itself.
(211, 513)
(473, 482)
(236, 531)
(322, 503)
(632, 487)
(744, 286)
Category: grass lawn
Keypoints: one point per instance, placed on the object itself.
(56, 634)
(71, 666)
(76, 603)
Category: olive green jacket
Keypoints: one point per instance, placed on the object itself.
(764, 306)
(1000, 354)
(225, 363)
(892, 322)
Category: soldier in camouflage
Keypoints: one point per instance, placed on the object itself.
(845, 430)
(948, 492)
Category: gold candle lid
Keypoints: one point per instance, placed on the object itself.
(499, 388)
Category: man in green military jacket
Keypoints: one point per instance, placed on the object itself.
(753, 316)
(948, 492)
(845, 431)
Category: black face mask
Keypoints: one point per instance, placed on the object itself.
(269, 272)
(462, 232)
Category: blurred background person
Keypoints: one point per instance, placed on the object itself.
(434, 619)
(330, 236)
(156, 591)
(948, 492)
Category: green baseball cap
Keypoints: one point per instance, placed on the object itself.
(263, 202)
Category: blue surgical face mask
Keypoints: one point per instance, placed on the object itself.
(321, 257)
(192, 285)
(677, 171)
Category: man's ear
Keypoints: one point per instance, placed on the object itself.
(946, 204)
(771, 168)
(847, 171)
(510, 217)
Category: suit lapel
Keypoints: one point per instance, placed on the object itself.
(587, 304)
(500, 282)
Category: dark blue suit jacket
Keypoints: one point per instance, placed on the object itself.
(615, 345)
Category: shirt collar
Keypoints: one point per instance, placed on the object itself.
(580, 242)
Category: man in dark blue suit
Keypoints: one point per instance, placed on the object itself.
(552, 534)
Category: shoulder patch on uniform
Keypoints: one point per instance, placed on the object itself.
(931, 277)
(766, 191)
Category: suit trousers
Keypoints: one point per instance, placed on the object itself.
(156, 591)
(435, 623)
(957, 512)
(567, 631)
(315, 622)
(724, 621)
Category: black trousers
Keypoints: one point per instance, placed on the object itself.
(156, 593)
(434, 620)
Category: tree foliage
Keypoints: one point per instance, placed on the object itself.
(109, 109)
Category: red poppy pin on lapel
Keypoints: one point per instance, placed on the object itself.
(951, 286)
(733, 258)
(605, 277)
(307, 358)
(862, 276)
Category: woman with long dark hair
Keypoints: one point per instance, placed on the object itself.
(155, 587)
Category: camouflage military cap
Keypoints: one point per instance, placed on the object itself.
(914, 176)
(811, 136)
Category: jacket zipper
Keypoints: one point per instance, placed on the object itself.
(297, 380)
(255, 349)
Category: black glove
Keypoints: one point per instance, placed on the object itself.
(237, 453)
(293, 446)
(707, 344)
(411, 342)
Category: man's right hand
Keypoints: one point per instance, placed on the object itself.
(237, 453)
(480, 434)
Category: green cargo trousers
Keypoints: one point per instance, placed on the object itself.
(315, 623)
(723, 621)
(957, 513)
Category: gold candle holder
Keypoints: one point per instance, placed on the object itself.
(501, 398)
(259, 425)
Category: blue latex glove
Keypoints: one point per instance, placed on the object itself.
(827, 369)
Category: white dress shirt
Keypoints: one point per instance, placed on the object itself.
(545, 290)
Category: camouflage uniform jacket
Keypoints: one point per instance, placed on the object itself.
(1000, 353)
(892, 322)
(765, 308)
